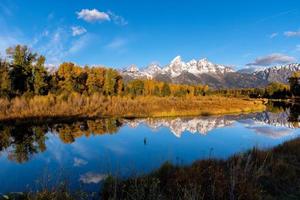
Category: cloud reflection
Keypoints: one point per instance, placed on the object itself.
(78, 162)
(92, 178)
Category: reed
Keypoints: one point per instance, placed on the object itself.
(75, 105)
(256, 174)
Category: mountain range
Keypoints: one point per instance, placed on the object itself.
(274, 125)
(214, 75)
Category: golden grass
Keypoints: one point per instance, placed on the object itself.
(75, 105)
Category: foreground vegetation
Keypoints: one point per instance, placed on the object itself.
(271, 174)
(256, 174)
(76, 105)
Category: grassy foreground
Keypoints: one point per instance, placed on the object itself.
(271, 174)
(256, 174)
(75, 105)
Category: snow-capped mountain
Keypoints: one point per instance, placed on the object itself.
(215, 75)
(274, 125)
(277, 73)
(178, 67)
(178, 126)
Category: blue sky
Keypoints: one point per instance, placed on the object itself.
(119, 33)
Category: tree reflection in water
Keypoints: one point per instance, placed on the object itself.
(292, 108)
(21, 142)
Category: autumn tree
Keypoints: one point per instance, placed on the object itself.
(119, 85)
(294, 81)
(72, 78)
(95, 80)
(165, 91)
(277, 90)
(136, 87)
(110, 82)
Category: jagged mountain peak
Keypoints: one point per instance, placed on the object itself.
(132, 69)
(176, 60)
(217, 76)
(153, 66)
(152, 69)
(204, 61)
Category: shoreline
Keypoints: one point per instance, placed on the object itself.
(205, 106)
(246, 173)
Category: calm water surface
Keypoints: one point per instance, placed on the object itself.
(85, 152)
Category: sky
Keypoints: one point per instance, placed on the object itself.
(119, 33)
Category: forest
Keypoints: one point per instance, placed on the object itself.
(23, 73)
(28, 90)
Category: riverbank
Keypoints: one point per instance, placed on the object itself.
(257, 174)
(52, 107)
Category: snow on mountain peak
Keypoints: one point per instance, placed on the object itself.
(152, 69)
(177, 67)
(133, 69)
(176, 60)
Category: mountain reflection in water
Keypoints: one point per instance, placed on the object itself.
(22, 142)
(90, 149)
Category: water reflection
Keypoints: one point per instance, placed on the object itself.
(22, 142)
(91, 149)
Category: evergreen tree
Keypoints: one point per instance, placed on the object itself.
(156, 91)
(166, 91)
(21, 74)
(5, 82)
(40, 77)
(110, 82)
(136, 87)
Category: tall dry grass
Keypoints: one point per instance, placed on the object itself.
(76, 105)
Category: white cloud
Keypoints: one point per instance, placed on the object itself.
(273, 35)
(117, 43)
(292, 33)
(119, 20)
(275, 58)
(52, 44)
(79, 162)
(58, 44)
(92, 178)
(93, 15)
(271, 131)
(80, 44)
(78, 30)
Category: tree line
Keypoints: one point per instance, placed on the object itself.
(273, 90)
(23, 73)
